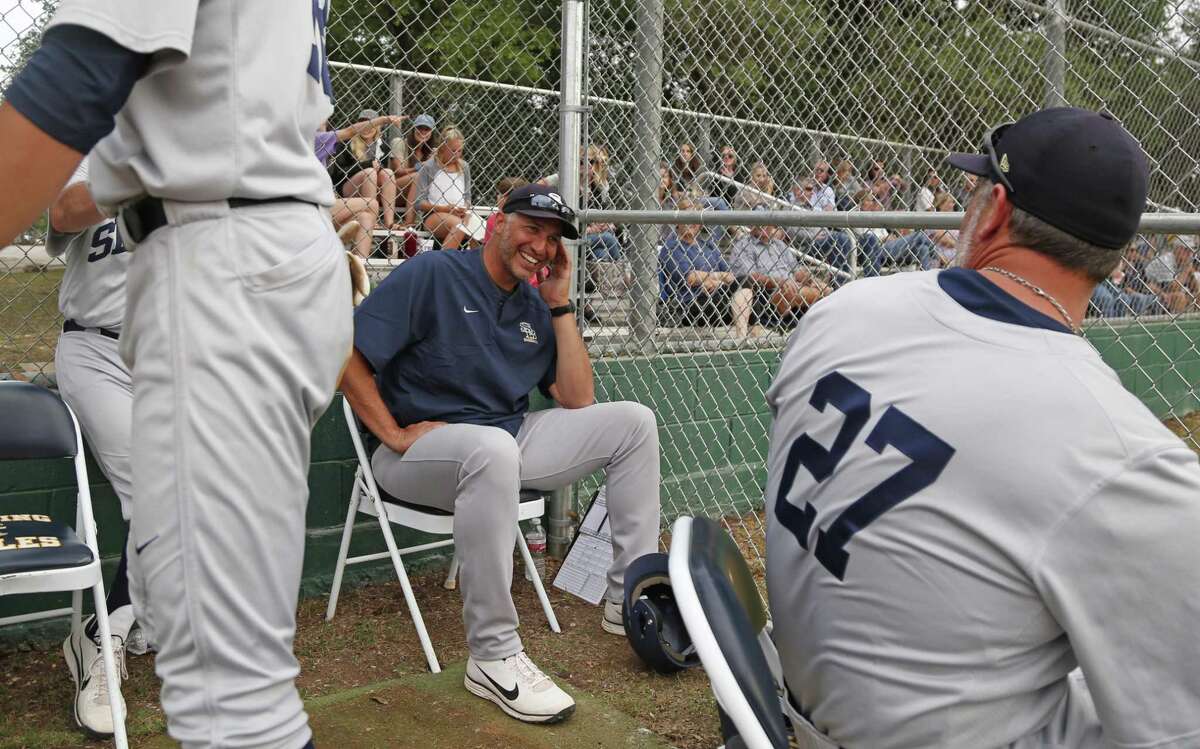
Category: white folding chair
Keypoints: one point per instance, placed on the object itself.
(38, 555)
(367, 498)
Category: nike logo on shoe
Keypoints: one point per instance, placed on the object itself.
(469, 311)
(509, 694)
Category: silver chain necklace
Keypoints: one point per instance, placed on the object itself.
(1039, 291)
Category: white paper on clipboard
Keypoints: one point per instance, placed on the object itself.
(584, 573)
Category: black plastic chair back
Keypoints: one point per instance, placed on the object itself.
(34, 423)
(735, 613)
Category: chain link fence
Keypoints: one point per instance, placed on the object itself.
(701, 136)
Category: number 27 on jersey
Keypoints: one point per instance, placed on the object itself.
(928, 453)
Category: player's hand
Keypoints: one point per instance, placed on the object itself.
(556, 290)
(410, 434)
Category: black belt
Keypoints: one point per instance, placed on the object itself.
(70, 326)
(146, 215)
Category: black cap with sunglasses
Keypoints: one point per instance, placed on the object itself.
(1077, 170)
(543, 202)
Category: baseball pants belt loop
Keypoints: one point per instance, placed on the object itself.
(70, 326)
(141, 218)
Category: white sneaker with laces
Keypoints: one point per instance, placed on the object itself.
(137, 644)
(92, 711)
(614, 618)
(519, 688)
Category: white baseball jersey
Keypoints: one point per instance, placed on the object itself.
(184, 133)
(965, 506)
(92, 292)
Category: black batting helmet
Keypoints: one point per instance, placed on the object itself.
(652, 620)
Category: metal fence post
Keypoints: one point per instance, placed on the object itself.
(648, 43)
(569, 143)
(1055, 63)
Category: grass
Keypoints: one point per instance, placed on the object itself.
(29, 319)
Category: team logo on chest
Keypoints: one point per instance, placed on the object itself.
(529, 333)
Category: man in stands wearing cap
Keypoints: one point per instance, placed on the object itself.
(446, 352)
(976, 536)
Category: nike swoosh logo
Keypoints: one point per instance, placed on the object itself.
(143, 546)
(469, 311)
(509, 694)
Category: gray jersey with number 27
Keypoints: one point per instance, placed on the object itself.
(976, 536)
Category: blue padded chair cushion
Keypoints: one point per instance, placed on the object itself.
(39, 543)
(37, 423)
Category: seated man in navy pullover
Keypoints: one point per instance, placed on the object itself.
(446, 351)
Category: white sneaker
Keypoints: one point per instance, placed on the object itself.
(92, 711)
(137, 644)
(614, 618)
(519, 688)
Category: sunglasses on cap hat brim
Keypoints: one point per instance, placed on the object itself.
(544, 206)
(986, 164)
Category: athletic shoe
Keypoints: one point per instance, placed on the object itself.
(137, 644)
(614, 618)
(86, 663)
(519, 688)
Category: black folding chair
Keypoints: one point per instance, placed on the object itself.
(37, 554)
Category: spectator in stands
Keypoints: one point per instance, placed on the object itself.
(759, 191)
(874, 172)
(822, 198)
(774, 284)
(408, 154)
(687, 167)
(881, 190)
(602, 240)
(729, 168)
(932, 186)
(945, 240)
(358, 171)
(443, 196)
(667, 194)
(1116, 297)
(831, 245)
(1170, 275)
(695, 284)
(845, 185)
(873, 241)
(966, 187)
(354, 218)
(899, 200)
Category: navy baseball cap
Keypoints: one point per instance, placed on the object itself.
(1075, 169)
(543, 202)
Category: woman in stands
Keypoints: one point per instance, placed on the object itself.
(603, 243)
(408, 154)
(443, 196)
(759, 192)
(687, 167)
(358, 170)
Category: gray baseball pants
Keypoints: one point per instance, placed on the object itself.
(237, 327)
(478, 472)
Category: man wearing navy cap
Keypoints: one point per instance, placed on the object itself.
(446, 351)
(976, 537)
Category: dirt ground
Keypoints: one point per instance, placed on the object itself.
(371, 643)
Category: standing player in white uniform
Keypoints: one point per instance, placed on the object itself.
(97, 385)
(976, 536)
(238, 319)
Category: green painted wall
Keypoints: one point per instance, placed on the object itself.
(712, 424)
